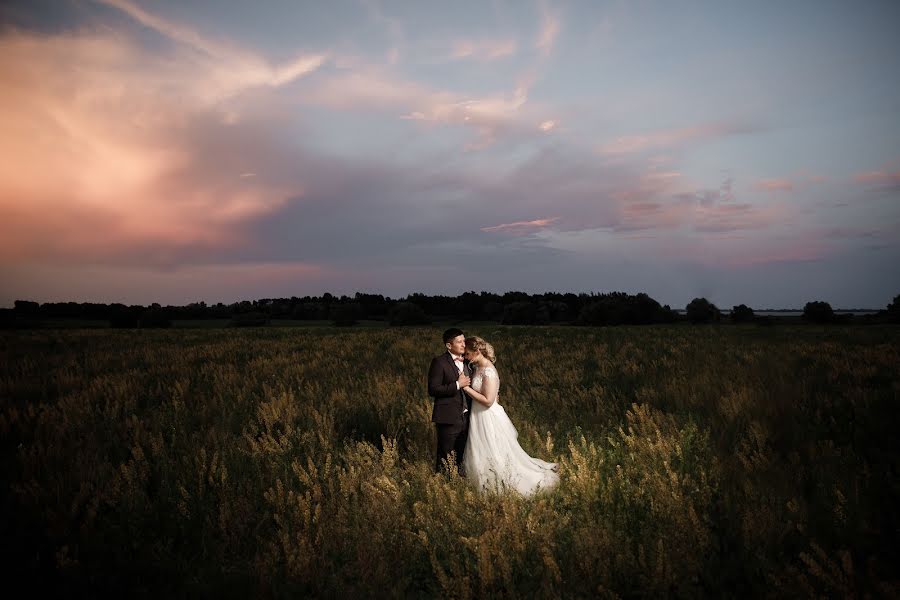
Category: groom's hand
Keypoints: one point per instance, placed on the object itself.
(463, 380)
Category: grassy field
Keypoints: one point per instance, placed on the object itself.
(695, 462)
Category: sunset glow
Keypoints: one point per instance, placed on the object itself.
(171, 152)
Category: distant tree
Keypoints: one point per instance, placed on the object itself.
(742, 314)
(154, 318)
(701, 310)
(521, 313)
(345, 314)
(7, 318)
(492, 311)
(26, 308)
(893, 310)
(595, 313)
(371, 305)
(408, 313)
(249, 319)
(510, 297)
(818, 312)
(668, 315)
(619, 308)
(280, 310)
(310, 311)
(124, 317)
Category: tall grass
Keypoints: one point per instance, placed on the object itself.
(720, 461)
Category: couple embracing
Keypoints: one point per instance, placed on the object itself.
(473, 430)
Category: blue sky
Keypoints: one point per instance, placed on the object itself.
(175, 152)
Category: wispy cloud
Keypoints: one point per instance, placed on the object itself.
(660, 140)
(487, 49)
(519, 227)
(774, 185)
(659, 201)
(232, 69)
(799, 251)
(879, 178)
(548, 30)
(489, 116)
(736, 217)
(393, 28)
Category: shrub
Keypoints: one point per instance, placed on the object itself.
(27, 308)
(701, 310)
(742, 314)
(818, 312)
(619, 308)
(893, 310)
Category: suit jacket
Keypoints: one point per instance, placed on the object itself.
(449, 402)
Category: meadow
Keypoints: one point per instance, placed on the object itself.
(696, 461)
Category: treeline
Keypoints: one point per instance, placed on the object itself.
(511, 308)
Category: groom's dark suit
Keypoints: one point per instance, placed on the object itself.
(449, 403)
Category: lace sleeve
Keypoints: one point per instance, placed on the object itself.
(491, 373)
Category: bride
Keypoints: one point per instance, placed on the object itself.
(493, 458)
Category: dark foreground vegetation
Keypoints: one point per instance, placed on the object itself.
(289, 462)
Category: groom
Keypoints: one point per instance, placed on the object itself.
(447, 376)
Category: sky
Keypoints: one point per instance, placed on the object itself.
(213, 150)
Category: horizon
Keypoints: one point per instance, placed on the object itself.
(389, 298)
(162, 152)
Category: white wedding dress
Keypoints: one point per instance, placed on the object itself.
(494, 459)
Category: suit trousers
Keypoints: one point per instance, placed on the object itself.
(451, 438)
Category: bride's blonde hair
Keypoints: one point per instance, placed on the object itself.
(476, 343)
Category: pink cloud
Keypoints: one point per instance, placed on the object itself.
(665, 200)
(649, 185)
(98, 159)
(548, 31)
(879, 178)
(228, 69)
(520, 227)
(800, 252)
(733, 217)
(774, 185)
(490, 117)
(658, 140)
(489, 49)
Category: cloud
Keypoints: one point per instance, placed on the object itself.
(491, 117)
(853, 232)
(803, 250)
(231, 69)
(519, 227)
(881, 178)
(548, 31)
(392, 27)
(487, 49)
(548, 125)
(662, 200)
(774, 185)
(736, 217)
(126, 136)
(670, 138)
